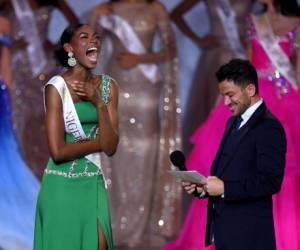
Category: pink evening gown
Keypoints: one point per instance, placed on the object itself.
(284, 102)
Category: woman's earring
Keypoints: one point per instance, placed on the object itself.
(71, 60)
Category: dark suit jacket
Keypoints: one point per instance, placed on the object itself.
(252, 172)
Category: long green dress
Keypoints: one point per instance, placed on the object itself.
(73, 199)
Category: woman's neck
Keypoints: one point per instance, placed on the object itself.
(79, 73)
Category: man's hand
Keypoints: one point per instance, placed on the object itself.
(191, 187)
(214, 186)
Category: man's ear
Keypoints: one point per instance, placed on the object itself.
(251, 90)
(67, 47)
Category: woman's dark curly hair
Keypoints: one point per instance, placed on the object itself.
(60, 54)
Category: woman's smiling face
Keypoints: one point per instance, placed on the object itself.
(85, 45)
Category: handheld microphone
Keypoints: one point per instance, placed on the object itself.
(178, 159)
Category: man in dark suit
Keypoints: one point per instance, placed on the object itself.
(248, 168)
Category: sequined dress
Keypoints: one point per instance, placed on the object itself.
(73, 198)
(145, 197)
(284, 102)
(18, 186)
(27, 102)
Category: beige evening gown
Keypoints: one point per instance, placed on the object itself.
(145, 199)
(27, 102)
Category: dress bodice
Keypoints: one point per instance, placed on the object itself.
(267, 48)
(241, 9)
(87, 112)
(88, 117)
(259, 57)
(145, 21)
(142, 21)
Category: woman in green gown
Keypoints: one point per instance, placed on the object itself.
(81, 119)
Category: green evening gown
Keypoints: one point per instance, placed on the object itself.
(73, 199)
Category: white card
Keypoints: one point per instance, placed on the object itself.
(189, 176)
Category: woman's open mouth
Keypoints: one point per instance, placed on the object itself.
(92, 54)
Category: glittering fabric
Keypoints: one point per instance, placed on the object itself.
(145, 199)
(284, 102)
(27, 102)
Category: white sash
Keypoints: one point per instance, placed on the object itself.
(122, 29)
(272, 48)
(228, 20)
(71, 120)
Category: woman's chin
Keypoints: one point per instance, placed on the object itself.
(90, 64)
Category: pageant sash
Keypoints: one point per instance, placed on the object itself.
(271, 46)
(228, 20)
(122, 29)
(71, 120)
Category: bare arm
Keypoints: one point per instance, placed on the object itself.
(177, 16)
(67, 11)
(70, 16)
(108, 122)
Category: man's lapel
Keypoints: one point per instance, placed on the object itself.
(255, 118)
(228, 128)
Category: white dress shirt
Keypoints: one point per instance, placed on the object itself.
(249, 112)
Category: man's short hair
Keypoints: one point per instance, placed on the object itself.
(240, 71)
